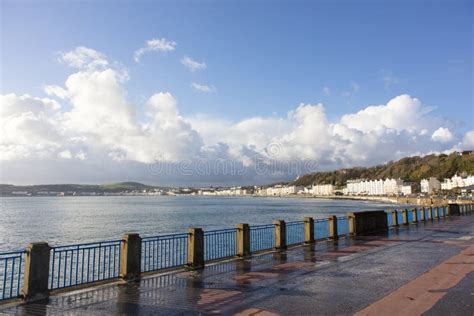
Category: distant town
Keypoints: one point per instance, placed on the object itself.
(460, 185)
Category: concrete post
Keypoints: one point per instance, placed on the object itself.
(130, 257)
(308, 230)
(414, 215)
(352, 224)
(332, 222)
(243, 240)
(405, 217)
(36, 277)
(422, 214)
(195, 248)
(280, 234)
(394, 217)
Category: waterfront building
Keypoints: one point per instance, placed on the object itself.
(323, 189)
(457, 182)
(430, 185)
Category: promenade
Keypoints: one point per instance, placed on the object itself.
(425, 268)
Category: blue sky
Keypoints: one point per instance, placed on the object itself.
(263, 58)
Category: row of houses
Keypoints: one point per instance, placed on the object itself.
(282, 190)
(433, 185)
(378, 187)
(234, 191)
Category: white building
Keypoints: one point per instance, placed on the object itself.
(323, 189)
(457, 182)
(405, 189)
(373, 187)
(430, 185)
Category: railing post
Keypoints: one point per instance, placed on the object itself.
(437, 212)
(195, 248)
(280, 234)
(332, 222)
(446, 210)
(36, 277)
(308, 230)
(430, 214)
(243, 240)
(414, 215)
(130, 257)
(405, 217)
(352, 223)
(422, 214)
(394, 217)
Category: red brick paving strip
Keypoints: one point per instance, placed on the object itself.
(421, 294)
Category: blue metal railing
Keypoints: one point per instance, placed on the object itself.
(12, 267)
(164, 252)
(262, 237)
(400, 217)
(418, 213)
(409, 216)
(427, 212)
(342, 225)
(84, 263)
(389, 219)
(321, 228)
(220, 243)
(294, 233)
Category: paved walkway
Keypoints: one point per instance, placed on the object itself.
(425, 269)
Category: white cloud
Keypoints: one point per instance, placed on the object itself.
(401, 113)
(83, 58)
(65, 154)
(202, 87)
(442, 135)
(192, 64)
(467, 141)
(99, 129)
(155, 45)
(326, 90)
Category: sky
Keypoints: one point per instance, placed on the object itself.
(229, 92)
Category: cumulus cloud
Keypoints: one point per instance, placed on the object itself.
(155, 45)
(98, 129)
(203, 87)
(442, 135)
(192, 65)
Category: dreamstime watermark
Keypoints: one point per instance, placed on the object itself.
(268, 164)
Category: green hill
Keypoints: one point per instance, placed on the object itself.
(410, 169)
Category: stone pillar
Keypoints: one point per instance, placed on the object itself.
(405, 217)
(414, 215)
(280, 234)
(394, 217)
(332, 222)
(243, 240)
(130, 257)
(422, 214)
(36, 277)
(352, 223)
(195, 248)
(308, 230)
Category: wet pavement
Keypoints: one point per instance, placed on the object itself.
(421, 269)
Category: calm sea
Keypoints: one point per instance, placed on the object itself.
(68, 220)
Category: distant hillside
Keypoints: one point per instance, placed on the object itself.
(6, 189)
(410, 169)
